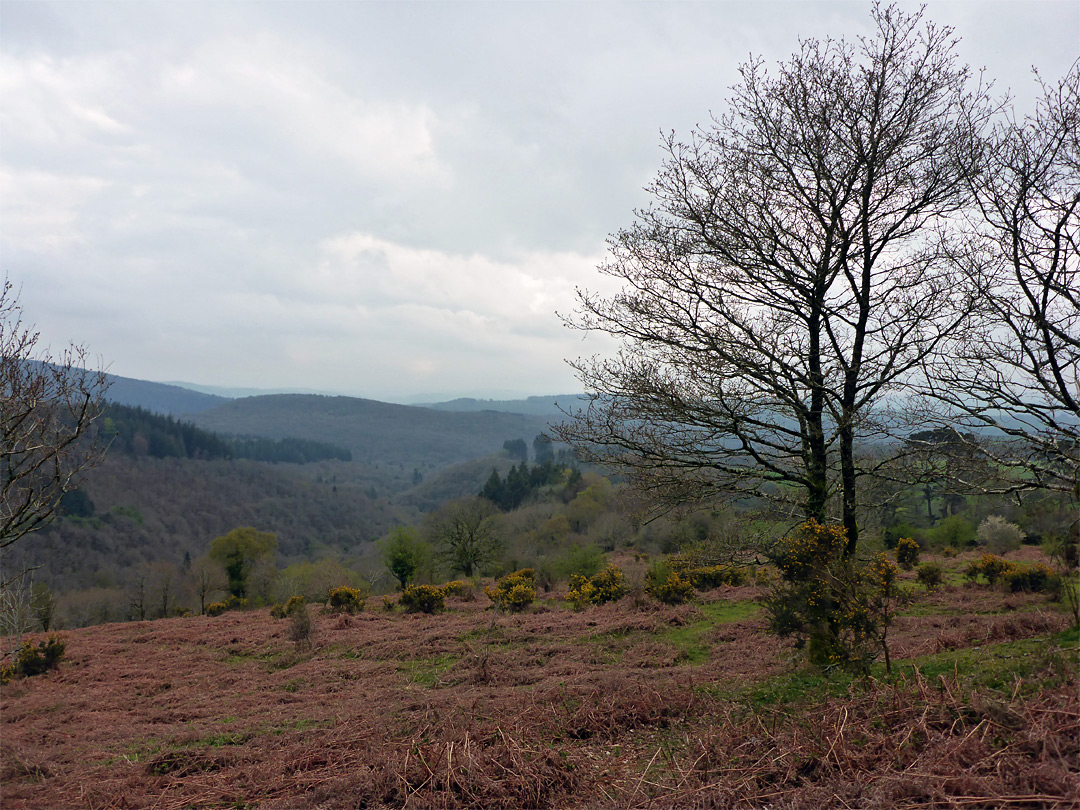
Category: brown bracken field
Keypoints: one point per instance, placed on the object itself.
(632, 704)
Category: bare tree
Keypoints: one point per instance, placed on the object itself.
(207, 577)
(1015, 378)
(47, 408)
(790, 275)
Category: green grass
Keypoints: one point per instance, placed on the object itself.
(428, 671)
(1030, 663)
(687, 639)
(1000, 666)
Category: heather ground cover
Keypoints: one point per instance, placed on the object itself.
(631, 704)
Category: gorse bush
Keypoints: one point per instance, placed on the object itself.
(907, 553)
(836, 607)
(231, 603)
(989, 566)
(459, 589)
(930, 575)
(423, 599)
(514, 592)
(35, 660)
(301, 628)
(705, 577)
(347, 600)
(666, 585)
(607, 586)
(1037, 577)
(282, 611)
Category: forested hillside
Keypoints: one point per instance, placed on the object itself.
(375, 432)
(159, 397)
(145, 509)
(136, 431)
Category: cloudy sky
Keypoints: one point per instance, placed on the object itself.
(385, 199)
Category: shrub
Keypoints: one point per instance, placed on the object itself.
(953, 530)
(300, 628)
(999, 535)
(460, 589)
(948, 552)
(347, 600)
(231, 603)
(514, 592)
(423, 599)
(282, 611)
(668, 586)
(607, 586)
(907, 553)
(930, 575)
(894, 533)
(1035, 577)
(989, 566)
(388, 603)
(33, 660)
(586, 560)
(839, 609)
(713, 576)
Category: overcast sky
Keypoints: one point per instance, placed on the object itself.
(390, 199)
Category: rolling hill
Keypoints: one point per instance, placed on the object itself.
(375, 432)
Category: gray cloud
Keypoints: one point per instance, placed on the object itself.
(378, 198)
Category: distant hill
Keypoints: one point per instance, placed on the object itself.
(232, 392)
(537, 406)
(162, 398)
(375, 432)
(143, 509)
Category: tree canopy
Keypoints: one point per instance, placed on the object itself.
(794, 269)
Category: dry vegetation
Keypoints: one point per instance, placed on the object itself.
(622, 705)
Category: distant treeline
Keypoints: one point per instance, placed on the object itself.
(139, 432)
(522, 482)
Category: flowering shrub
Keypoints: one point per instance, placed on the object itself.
(668, 587)
(907, 553)
(704, 577)
(347, 600)
(836, 607)
(459, 589)
(282, 611)
(1035, 577)
(607, 586)
(989, 566)
(423, 599)
(515, 591)
(33, 660)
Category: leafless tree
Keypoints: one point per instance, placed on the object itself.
(1015, 378)
(789, 276)
(47, 409)
(207, 577)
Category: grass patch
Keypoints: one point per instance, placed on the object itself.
(221, 740)
(1002, 665)
(428, 671)
(1032, 663)
(688, 638)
